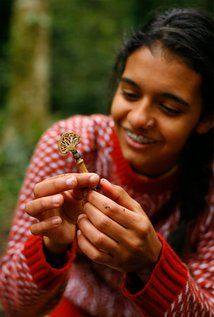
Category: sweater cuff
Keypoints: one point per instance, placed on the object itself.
(166, 282)
(44, 275)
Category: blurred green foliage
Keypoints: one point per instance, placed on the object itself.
(5, 13)
(86, 36)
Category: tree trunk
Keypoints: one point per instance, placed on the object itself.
(29, 94)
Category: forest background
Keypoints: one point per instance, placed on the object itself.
(56, 59)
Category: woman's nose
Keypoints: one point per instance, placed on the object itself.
(141, 115)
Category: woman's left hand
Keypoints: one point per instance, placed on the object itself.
(115, 231)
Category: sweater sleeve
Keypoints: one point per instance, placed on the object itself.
(29, 285)
(178, 289)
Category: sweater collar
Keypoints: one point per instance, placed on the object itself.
(128, 177)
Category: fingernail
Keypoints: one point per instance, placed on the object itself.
(78, 232)
(103, 180)
(70, 181)
(80, 217)
(94, 178)
(56, 220)
(56, 199)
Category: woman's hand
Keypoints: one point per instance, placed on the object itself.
(116, 232)
(57, 204)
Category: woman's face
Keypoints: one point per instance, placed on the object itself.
(156, 107)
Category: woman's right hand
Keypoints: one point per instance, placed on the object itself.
(58, 202)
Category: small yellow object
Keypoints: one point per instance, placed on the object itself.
(67, 143)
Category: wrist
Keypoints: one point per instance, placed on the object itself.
(57, 258)
(54, 247)
(145, 273)
(58, 248)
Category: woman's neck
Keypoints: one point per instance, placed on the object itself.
(156, 175)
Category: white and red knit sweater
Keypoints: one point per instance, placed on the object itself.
(30, 286)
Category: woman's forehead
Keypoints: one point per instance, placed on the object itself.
(160, 70)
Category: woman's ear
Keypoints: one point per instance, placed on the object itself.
(204, 126)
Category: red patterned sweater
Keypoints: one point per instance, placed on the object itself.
(30, 286)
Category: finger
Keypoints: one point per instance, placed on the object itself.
(92, 252)
(57, 185)
(105, 224)
(35, 207)
(119, 195)
(118, 213)
(43, 227)
(97, 238)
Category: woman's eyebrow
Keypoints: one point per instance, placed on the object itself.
(167, 95)
(129, 81)
(175, 98)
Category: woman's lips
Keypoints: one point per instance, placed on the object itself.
(137, 141)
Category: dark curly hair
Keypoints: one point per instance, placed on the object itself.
(189, 34)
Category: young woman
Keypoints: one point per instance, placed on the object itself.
(152, 160)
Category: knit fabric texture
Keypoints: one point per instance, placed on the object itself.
(30, 286)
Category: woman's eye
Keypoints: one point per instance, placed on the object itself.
(169, 110)
(129, 95)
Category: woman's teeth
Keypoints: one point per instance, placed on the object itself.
(138, 138)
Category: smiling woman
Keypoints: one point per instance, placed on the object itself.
(155, 114)
(141, 244)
